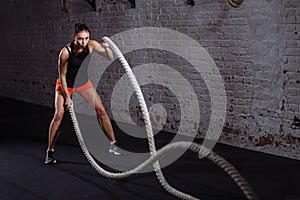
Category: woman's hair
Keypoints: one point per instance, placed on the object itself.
(80, 27)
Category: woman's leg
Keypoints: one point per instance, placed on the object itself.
(56, 121)
(54, 128)
(94, 100)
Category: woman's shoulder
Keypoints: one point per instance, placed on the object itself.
(93, 43)
(65, 51)
(67, 47)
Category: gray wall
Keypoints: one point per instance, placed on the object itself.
(255, 47)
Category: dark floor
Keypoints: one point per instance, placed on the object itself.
(24, 176)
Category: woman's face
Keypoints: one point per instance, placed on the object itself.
(82, 38)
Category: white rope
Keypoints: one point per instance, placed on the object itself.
(155, 155)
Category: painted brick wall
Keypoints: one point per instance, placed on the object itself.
(255, 47)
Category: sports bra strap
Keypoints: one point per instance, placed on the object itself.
(68, 49)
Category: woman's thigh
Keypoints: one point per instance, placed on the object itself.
(93, 98)
(59, 103)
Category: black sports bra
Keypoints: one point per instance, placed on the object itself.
(77, 67)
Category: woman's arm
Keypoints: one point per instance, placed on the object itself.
(62, 65)
(102, 48)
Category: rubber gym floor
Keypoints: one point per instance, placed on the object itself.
(23, 175)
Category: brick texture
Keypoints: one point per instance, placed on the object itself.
(255, 47)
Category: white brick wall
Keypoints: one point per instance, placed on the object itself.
(255, 47)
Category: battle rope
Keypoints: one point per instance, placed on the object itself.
(155, 155)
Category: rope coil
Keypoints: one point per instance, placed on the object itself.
(155, 155)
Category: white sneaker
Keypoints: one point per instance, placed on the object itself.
(115, 150)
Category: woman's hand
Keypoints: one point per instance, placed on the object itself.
(108, 51)
(103, 43)
(68, 102)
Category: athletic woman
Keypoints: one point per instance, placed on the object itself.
(70, 62)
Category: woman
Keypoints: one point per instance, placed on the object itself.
(69, 63)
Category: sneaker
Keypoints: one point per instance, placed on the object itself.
(50, 158)
(114, 149)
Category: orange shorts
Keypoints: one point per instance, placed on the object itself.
(58, 87)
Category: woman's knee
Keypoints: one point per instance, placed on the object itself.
(101, 112)
(59, 115)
